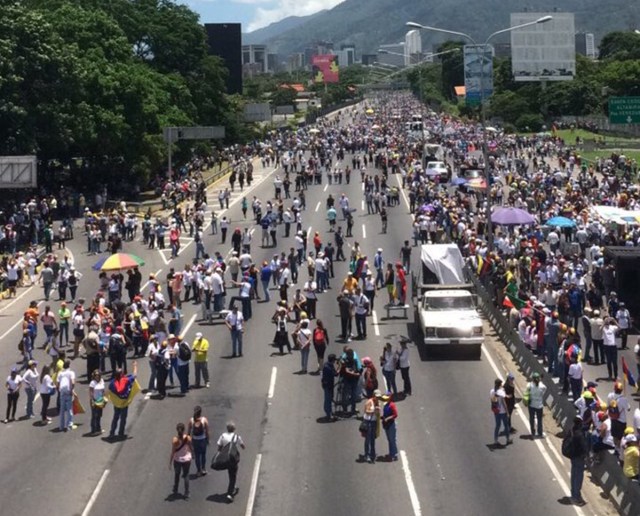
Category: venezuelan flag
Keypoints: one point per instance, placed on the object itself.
(628, 375)
(122, 392)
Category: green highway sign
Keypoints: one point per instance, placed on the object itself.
(624, 110)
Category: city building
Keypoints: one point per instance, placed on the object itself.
(296, 61)
(254, 60)
(586, 44)
(412, 47)
(225, 41)
(369, 59)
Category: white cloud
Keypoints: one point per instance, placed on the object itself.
(284, 8)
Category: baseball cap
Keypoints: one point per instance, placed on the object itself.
(198, 335)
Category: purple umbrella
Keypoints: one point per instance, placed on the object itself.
(510, 216)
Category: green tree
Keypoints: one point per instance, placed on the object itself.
(620, 46)
(452, 67)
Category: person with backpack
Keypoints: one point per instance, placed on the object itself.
(534, 399)
(183, 356)
(118, 350)
(574, 447)
(370, 376)
(198, 430)
(231, 438)
(498, 397)
(281, 338)
(320, 342)
(617, 408)
(181, 454)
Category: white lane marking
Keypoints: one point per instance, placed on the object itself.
(147, 283)
(15, 325)
(272, 382)
(404, 194)
(362, 186)
(413, 495)
(374, 318)
(188, 326)
(16, 299)
(362, 205)
(96, 492)
(164, 258)
(325, 187)
(318, 205)
(364, 231)
(545, 454)
(254, 485)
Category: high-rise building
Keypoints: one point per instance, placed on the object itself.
(412, 47)
(349, 52)
(225, 41)
(585, 44)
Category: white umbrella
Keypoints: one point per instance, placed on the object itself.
(314, 130)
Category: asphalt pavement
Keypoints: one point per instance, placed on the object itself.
(294, 462)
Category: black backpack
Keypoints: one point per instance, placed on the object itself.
(184, 352)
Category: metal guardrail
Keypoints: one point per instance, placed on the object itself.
(624, 493)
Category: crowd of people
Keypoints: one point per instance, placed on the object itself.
(554, 284)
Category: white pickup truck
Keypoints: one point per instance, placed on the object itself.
(446, 314)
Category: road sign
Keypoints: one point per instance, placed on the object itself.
(173, 134)
(624, 110)
(18, 172)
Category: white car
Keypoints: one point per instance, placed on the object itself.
(437, 168)
(449, 319)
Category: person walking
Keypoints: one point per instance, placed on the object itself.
(98, 401)
(66, 381)
(499, 409)
(534, 393)
(13, 385)
(576, 452)
(405, 364)
(388, 361)
(121, 391)
(235, 324)
(198, 430)
(200, 362)
(226, 438)
(327, 380)
(370, 423)
(389, 417)
(361, 310)
(47, 388)
(181, 454)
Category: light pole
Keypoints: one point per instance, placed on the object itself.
(424, 59)
(487, 170)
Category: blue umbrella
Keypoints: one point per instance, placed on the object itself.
(560, 222)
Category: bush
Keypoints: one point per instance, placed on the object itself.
(529, 122)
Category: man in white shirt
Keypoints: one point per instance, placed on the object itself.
(361, 303)
(30, 379)
(230, 436)
(66, 382)
(235, 323)
(609, 346)
(623, 318)
(283, 281)
(217, 288)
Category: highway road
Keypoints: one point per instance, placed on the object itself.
(294, 462)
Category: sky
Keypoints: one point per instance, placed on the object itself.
(255, 14)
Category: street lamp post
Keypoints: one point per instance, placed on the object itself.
(487, 170)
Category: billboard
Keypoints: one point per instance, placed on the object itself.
(18, 172)
(546, 51)
(325, 68)
(254, 112)
(478, 73)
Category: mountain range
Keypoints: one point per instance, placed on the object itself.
(370, 23)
